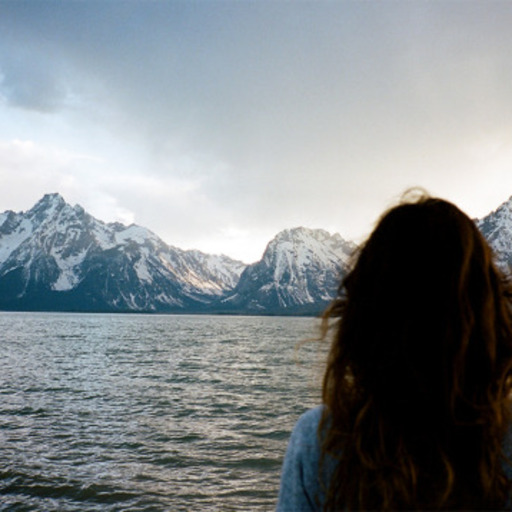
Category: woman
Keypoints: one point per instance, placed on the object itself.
(416, 404)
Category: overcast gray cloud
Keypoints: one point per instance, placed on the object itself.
(216, 124)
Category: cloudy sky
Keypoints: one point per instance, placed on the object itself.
(217, 124)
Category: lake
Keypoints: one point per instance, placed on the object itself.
(114, 412)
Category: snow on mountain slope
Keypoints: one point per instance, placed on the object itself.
(14, 230)
(299, 272)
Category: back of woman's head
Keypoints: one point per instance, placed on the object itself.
(417, 379)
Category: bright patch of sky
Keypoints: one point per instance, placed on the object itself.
(218, 124)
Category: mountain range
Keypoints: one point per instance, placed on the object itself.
(57, 257)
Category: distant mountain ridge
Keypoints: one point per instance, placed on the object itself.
(57, 257)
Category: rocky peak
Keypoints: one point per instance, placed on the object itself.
(48, 202)
(497, 229)
(298, 244)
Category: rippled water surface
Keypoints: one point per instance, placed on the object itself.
(140, 412)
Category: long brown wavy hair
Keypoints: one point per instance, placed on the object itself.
(418, 377)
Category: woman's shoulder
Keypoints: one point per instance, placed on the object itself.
(304, 443)
(308, 422)
(300, 486)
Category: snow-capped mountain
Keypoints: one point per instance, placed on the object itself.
(300, 271)
(497, 229)
(58, 257)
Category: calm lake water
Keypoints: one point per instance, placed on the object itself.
(141, 412)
